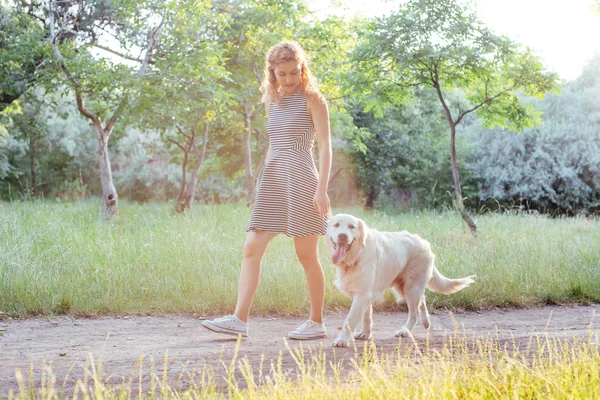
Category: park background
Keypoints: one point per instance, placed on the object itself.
(178, 118)
(132, 139)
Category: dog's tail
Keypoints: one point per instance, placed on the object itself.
(439, 283)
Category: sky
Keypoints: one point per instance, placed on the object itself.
(564, 33)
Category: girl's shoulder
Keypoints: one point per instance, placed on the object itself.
(314, 99)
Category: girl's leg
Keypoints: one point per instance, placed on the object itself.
(308, 255)
(254, 249)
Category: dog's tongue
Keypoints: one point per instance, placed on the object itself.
(339, 254)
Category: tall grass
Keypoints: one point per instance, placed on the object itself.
(552, 368)
(62, 258)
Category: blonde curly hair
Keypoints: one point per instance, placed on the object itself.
(283, 52)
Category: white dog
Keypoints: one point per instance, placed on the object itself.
(369, 262)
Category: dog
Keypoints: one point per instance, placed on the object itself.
(370, 262)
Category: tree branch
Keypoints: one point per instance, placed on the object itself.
(486, 101)
(204, 143)
(436, 84)
(335, 175)
(64, 67)
(181, 132)
(256, 71)
(125, 56)
(152, 42)
(177, 144)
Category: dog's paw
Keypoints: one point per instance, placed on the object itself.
(340, 342)
(405, 333)
(363, 336)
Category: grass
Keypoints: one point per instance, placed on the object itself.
(474, 368)
(61, 258)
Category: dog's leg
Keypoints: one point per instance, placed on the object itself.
(424, 314)
(414, 297)
(357, 311)
(367, 324)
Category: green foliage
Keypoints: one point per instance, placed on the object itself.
(442, 44)
(217, 189)
(142, 168)
(406, 160)
(50, 133)
(185, 87)
(11, 150)
(23, 53)
(184, 91)
(555, 167)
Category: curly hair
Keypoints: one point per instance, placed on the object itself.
(283, 52)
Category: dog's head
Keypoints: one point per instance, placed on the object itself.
(346, 236)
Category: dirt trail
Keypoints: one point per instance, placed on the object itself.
(120, 341)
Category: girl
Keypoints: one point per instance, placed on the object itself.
(292, 195)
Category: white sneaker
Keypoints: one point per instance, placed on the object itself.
(308, 330)
(229, 324)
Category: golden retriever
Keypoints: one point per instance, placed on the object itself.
(369, 262)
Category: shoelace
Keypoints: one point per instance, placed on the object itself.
(227, 318)
(306, 326)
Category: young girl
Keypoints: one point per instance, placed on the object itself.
(292, 195)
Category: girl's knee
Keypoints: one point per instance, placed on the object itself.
(253, 248)
(309, 260)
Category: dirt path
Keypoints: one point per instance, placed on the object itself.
(120, 341)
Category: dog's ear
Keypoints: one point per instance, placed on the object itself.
(362, 232)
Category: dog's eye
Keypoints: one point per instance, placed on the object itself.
(351, 226)
(336, 225)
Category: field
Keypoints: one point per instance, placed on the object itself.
(61, 258)
(109, 297)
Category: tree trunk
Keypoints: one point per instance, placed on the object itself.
(248, 157)
(110, 198)
(336, 174)
(190, 190)
(457, 190)
(32, 162)
(179, 207)
(371, 197)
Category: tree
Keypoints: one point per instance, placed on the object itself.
(185, 94)
(108, 85)
(443, 45)
(254, 27)
(405, 161)
(22, 53)
(32, 129)
(50, 153)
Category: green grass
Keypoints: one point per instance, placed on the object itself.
(58, 258)
(473, 368)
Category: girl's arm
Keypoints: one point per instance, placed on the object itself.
(320, 116)
(267, 108)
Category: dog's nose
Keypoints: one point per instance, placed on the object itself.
(342, 237)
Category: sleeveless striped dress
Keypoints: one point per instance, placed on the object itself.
(284, 200)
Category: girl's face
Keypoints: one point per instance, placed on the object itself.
(288, 76)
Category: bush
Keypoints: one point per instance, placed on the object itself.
(554, 168)
(407, 158)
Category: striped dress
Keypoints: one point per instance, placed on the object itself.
(284, 200)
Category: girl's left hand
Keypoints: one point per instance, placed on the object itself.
(321, 202)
